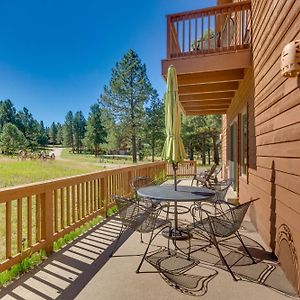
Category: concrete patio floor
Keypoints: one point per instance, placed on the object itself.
(84, 270)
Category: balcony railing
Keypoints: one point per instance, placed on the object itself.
(36, 215)
(187, 168)
(216, 29)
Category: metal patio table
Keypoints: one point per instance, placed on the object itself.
(167, 192)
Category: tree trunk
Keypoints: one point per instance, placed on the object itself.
(191, 151)
(208, 154)
(133, 139)
(216, 150)
(73, 144)
(153, 148)
(203, 158)
(96, 151)
(132, 110)
(140, 150)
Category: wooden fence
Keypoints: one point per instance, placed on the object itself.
(214, 29)
(187, 168)
(34, 216)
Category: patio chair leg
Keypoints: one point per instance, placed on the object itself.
(169, 252)
(215, 242)
(147, 249)
(225, 262)
(241, 240)
(189, 249)
(141, 236)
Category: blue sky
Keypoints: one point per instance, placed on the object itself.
(56, 55)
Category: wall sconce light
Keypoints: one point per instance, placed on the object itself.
(290, 59)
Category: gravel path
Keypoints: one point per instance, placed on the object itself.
(57, 152)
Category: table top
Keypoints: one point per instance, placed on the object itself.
(184, 193)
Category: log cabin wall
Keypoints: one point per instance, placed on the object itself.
(273, 104)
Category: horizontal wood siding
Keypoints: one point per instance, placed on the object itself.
(274, 132)
(277, 124)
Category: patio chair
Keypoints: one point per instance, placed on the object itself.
(219, 225)
(155, 221)
(214, 177)
(221, 189)
(204, 177)
(144, 181)
(134, 215)
(140, 181)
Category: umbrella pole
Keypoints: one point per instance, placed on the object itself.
(175, 178)
(175, 208)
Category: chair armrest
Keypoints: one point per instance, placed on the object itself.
(197, 208)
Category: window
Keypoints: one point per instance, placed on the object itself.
(244, 144)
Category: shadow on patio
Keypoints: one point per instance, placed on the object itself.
(84, 270)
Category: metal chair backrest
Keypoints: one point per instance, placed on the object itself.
(228, 222)
(140, 181)
(222, 188)
(211, 172)
(128, 210)
(218, 171)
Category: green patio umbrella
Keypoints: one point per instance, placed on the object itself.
(173, 151)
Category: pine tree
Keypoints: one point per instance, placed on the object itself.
(29, 127)
(53, 133)
(128, 91)
(95, 131)
(112, 130)
(43, 136)
(154, 124)
(59, 135)
(68, 131)
(214, 124)
(7, 113)
(11, 139)
(79, 124)
(201, 133)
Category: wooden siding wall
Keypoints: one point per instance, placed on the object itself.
(274, 141)
(277, 124)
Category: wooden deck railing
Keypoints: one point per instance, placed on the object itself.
(187, 168)
(34, 216)
(215, 29)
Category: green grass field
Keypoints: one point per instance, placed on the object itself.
(82, 158)
(90, 158)
(14, 172)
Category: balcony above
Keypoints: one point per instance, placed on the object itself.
(210, 49)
